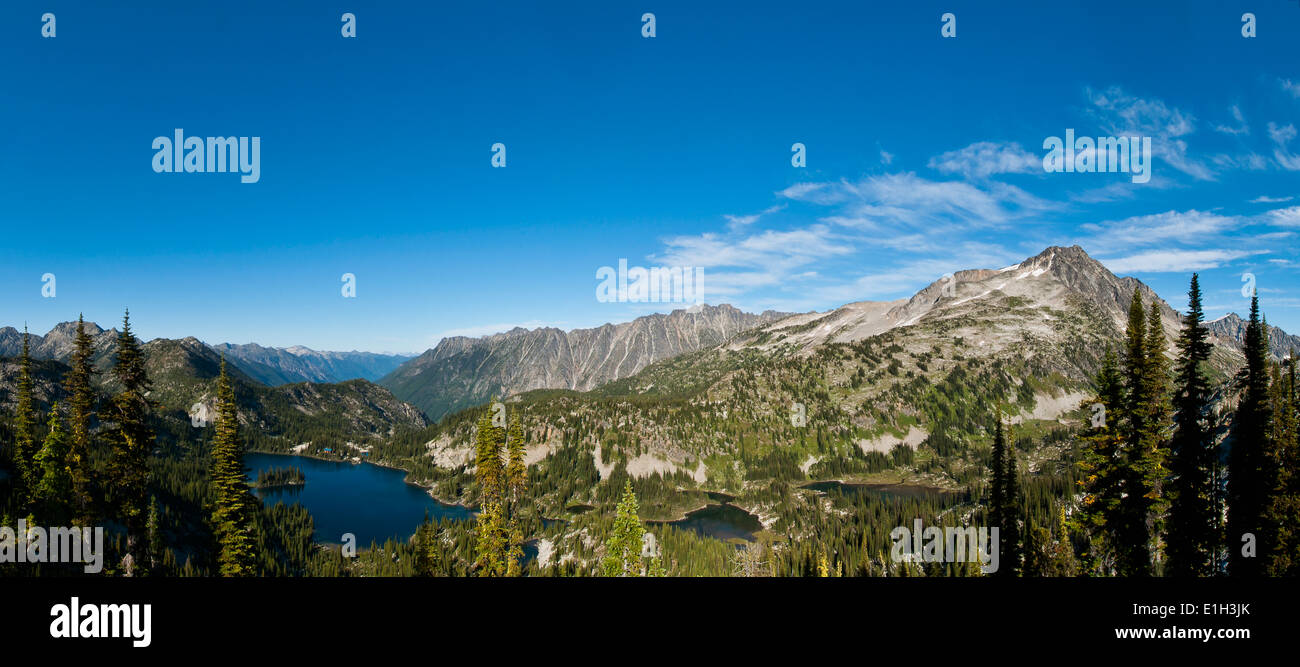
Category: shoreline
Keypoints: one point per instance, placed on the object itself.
(406, 479)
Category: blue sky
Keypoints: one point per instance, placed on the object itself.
(923, 157)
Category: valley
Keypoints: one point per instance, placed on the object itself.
(773, 429)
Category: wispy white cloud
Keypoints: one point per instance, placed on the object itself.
(1265, 199)
(1184, 227)
(1241, 128)
(1283, 217)
(1122, 114)
(1164, 261)
(738, 221)
(1282, 136)
(737, 262)
(1290, 87)
(905, 201)
(986, 158)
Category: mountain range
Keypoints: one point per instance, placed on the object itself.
(1028, 337)
(825, 395)
(268, 365)
(460, 372)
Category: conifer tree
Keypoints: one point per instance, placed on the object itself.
(1249, 472)
(491, 543)
(1102, 467)
(1004, 503)
(1283, 558)
(154, 529)
(491, 528)
(51, 492)
(516, 470)
(1193, 524)
(82, 404)
(25, 428)
(623, 550)
(132, 440)
(1149, 467)
(1143, 424)
(488, 465)
(233, 506)
(1062, 555)
(427, 560)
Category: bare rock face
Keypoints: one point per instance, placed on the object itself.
(461, 371)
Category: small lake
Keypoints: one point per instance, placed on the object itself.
(721, 522)
(369, 501)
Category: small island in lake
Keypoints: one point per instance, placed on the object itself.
(280, 477)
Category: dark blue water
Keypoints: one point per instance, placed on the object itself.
(721, 522)
(369, 501)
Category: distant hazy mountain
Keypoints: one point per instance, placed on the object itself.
(268, 365)
(462, 371)
(1232, 329)
(277, 365)
(346, 416)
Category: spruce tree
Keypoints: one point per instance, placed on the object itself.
(1283, 558)
(1102, 468)
(1143, 423)
(132, 439)
(1151, 451)
(516, 470)
(427, 560)
(488, 465)
(50, 496)
(1193, 524)
(1249, 473)
(491, 540)
(156, 546)
(233, 505)
(1004, 503)
(516, 479)
(491, 527)
(1132, 554)
(623, 550)
(82, 412)
(24, 428)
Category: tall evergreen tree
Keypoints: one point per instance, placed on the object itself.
(50, 495)
(25, 428)
(1283, 556)
(1102, 467)
(516, 477)
(1004, 503)
(233, 505)
(1249, 473)
(1193, 525)
(491, 527)
(427, 554)
(1132, 551)
(516, 470)
(132, 440)
(154, 528)
(623, 556)
(81, 414)
(488, 464)
(1143, 423)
